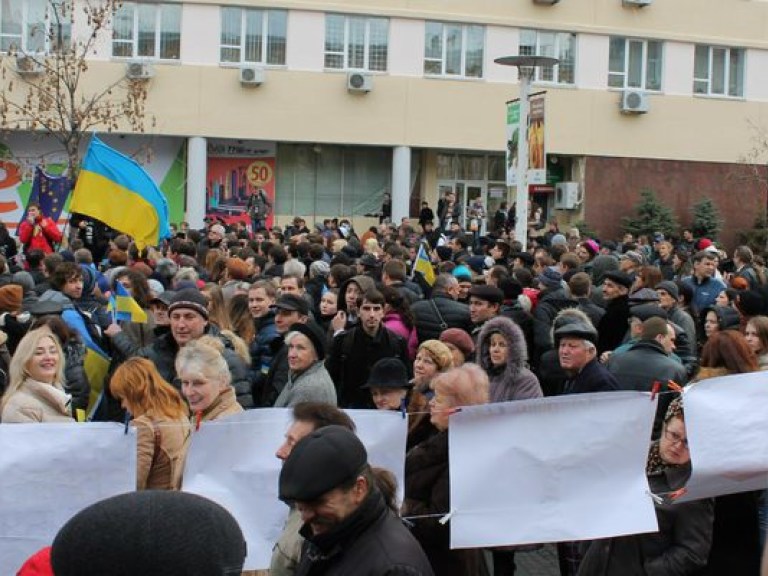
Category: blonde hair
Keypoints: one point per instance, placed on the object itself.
(18, 372)
(140, 385)
(466, 385)
(205, 356)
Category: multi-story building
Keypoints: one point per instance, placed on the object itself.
(330, 105)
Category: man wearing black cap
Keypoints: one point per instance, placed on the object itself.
(347, 523)
(484, 304)
(289, 309)
(613, 326)
(578, 358)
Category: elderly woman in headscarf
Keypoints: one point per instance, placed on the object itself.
(682, 544)
(502, 353)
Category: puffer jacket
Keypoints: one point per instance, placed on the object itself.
(75, 379)
(513, 380)
(393, 321)
(260, 349)
(428, 321)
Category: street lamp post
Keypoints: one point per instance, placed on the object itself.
(525, 66)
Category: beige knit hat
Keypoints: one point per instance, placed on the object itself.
(440, 353)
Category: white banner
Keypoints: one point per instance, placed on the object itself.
(551, 470)
(232, 462)
(49, 472)
(727, 429)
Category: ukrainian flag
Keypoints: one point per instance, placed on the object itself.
(424, 266)
(115, 189)
(124, 307)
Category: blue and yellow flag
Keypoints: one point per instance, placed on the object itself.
(115, 189)
(124, 307)
(424, 266)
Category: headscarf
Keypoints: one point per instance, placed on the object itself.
(655, 464)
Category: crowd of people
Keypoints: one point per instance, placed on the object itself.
(322, 319)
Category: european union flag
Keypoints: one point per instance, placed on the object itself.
(50, 192)
(116, 190)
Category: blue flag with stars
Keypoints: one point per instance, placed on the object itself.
(50, 192)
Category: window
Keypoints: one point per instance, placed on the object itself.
(356, 42)
(147, 31)
(34, 25)
(252, 36)
(634, 64)
(560, 45)
(453, 50)
(718, 71)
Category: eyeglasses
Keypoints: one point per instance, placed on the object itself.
(675, 438)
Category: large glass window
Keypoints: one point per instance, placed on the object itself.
(34, 25)
(718, 71)
(151, 31)
(453, 50)
(560, 45)
(634, 63)
(356, 42)
(253, 36)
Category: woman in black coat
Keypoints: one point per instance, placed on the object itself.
(427, 482)
(681, 547)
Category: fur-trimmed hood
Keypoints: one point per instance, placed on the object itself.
(517, 351)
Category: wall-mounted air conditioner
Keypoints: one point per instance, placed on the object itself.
(359, 82)
(252, 76)
(634, 102)
(567, 195)
(139, 70)
(637, 3)
(28, 66)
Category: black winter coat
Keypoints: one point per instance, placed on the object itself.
(427, 321)
(613, 327)
(679, 548)
(550, 303)
(370, 542)
(75, 379)
(644, 363)
(594, 377)
(427, 491)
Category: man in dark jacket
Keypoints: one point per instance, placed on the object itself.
(648, 360)
(261, 299)
(347, 523)
(613, 326)
(441, 311)
(552, 299)
(578, 358)
(484, 304)
(393, 274)
(354, 351)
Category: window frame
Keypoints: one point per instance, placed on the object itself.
(558, 34)
(465, 30)
(729, 51)
(157, 32)
(265, 37)
(345, 55)
(625, 74)
(24, 37)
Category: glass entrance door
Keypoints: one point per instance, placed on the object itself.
(473, 198)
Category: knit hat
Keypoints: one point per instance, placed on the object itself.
(321, 461)
(313, 332)
(155, 287)
(439, 352)
(24, 279)
(462, 273)
(703, 244)
(634, 257)
(11, 296)
(460, 339)
(192, 299)
(558, 240)
(550, 278)
(388, 373)
(319, 268)
(592, 247)
(669, 287)
(152, 533)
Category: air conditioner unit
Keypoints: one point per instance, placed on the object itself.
(634, 102)
(359, 82)
(567, 195)
(139, 70)
(28, 66)
(638, 3)
(547, 2)
(251, 76)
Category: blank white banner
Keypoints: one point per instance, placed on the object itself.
(232, 462)
(726, 421)
(551, 470)
(49, 472)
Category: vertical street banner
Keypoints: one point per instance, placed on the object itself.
(235, 171)
(513, 140)
(537, 164)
